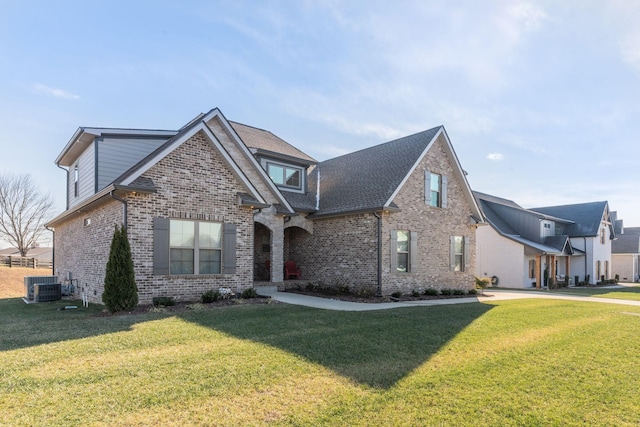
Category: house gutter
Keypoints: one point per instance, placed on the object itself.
(124, 207)
(379, 217)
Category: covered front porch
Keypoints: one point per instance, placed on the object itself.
(279, 257)
(554, 271)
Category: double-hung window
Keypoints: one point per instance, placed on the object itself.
(403, 251)
(435, 189)
(459, 253)
(195, 247)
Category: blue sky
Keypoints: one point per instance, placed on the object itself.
(540, 98)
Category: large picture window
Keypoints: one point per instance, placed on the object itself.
(195, 247)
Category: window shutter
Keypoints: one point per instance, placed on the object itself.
(427, 187)
(466, 253)
(444, 191)
(160, 246)
(452, 253)
(393, 243)
(413, 251)
(229, 248)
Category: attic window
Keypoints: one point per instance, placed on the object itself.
(285, 176)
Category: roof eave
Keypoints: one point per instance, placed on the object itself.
(389, 209)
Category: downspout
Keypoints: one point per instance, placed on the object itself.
(53, 233)
(585, 258)
(67, 185)
(124, 207)
(53, 250)
(379, 217)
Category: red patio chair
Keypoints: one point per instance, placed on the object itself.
(290, 270)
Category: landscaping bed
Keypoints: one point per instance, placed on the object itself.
(344, 293)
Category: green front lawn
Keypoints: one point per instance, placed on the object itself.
(627, 292)
(522, 362)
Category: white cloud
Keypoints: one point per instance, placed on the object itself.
(58, 93)
(495, 156)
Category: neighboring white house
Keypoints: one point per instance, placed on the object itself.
(523, 246)
(625, 256)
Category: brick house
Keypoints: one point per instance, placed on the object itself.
(221, 204)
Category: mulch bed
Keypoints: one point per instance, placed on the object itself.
(375, 299)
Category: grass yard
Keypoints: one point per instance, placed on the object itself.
(630, 292)
(519, 362)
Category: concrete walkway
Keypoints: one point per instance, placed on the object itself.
(489, 296)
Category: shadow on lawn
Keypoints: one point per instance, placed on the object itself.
(23, 325)
(376, 348)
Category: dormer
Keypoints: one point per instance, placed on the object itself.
(95, 157)
(288, 173)
(287, 166)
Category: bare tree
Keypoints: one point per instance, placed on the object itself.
(23, 211)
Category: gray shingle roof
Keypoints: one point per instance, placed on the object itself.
(264, 140)
(631, 230)
(507, 217)
(494, 199)
(366, 179)
(626, 244)
(586, 216)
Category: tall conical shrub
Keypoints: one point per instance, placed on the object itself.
(120, 290)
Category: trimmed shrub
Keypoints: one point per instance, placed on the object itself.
(210, 296)
(163, 301)
(446, 291)
(249, 293)
(431, 292)
(396, 294)
(458, 292)
(120, 290)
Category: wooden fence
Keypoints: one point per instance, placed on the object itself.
(18, 261)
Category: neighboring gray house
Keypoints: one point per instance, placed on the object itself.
(520, 244)
(221, 204)
(625, 255)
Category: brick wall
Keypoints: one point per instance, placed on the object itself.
(83, 249)
(343, 250)
(193, 183)
(434, 227)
